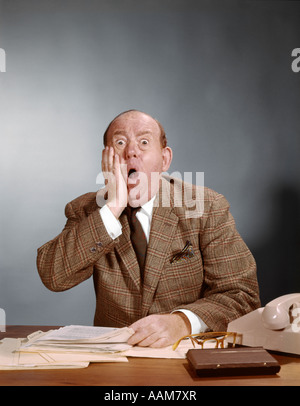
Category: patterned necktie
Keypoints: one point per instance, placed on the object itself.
(138, 238)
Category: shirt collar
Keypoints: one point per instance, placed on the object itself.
(148, 207)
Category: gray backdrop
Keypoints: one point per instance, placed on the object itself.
(216, 74)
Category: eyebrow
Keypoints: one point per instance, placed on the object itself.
(121, 132)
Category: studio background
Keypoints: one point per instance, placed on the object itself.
(216, 74)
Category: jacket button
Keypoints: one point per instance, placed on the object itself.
(93, 249)
(99, 244)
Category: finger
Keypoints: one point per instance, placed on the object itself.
(116, 163)
(110, 161)
(137, 337)
(161, 342)
(149, 341)
(105, 159)
(141, 332)
(143, 340)
(123, 168)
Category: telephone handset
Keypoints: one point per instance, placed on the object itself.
(275, 327)
(276, 314)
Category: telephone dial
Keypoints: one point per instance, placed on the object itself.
(274, 327)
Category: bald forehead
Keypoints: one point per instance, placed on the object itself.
(134, 119)
(129, 117)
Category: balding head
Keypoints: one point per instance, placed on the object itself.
(130, 113)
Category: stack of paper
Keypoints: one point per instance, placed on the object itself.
(80, 339)
(67, 347)
(77, 346)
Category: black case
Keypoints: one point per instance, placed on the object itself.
(232, 361)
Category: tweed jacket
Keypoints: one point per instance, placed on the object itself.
(216, 280)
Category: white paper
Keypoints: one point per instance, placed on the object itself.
(87, 334)
(11, 359)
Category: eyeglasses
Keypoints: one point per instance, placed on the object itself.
(218, 337)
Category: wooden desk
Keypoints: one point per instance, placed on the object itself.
(140, 372)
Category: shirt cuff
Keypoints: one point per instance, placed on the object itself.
(112, 225)
(197, 324)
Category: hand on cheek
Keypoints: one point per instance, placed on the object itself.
(115, 175)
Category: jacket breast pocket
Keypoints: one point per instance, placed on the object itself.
(181, 281)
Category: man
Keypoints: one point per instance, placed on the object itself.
(197, 275)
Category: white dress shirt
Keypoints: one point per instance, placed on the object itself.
(144, 215)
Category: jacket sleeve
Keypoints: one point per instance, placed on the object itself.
(230, 287)
(68, 259)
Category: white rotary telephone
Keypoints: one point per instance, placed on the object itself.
(274, 327)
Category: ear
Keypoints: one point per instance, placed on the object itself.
(167, 156)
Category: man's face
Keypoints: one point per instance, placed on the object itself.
(135, 137)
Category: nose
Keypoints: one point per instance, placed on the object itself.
(132, 150)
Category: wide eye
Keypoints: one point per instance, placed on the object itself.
(120, 143)
(144, 141)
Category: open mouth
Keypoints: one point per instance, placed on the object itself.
(131, 172)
